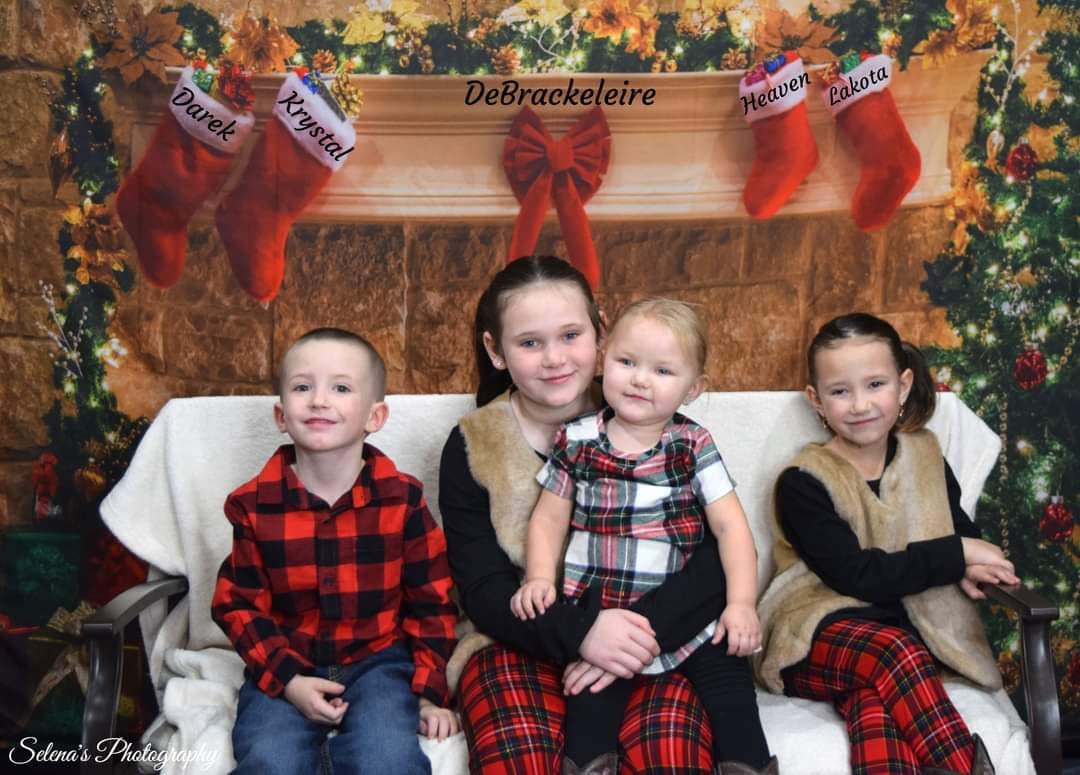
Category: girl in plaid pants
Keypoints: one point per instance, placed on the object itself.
(537, 334)
(876, 562)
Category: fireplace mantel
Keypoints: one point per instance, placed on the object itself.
(423, 155)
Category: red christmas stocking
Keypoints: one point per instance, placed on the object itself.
(864, 108)
(305, 142)
(185, 164)
(773, 99)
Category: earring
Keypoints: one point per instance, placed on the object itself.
(900, 414)
(824, 422)
(498, 363)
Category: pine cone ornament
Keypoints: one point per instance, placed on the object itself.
(324, 61)
(348, 97)
(506, 61)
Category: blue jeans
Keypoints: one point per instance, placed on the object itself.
(376, 736)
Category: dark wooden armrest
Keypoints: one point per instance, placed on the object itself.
(104, 630)
(1037, 668)
(114, 616)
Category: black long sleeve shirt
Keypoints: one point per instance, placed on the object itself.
(486, 579)
(831, 549)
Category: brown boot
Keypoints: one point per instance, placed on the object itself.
(604, 764)
(981, 764)
(772, 767)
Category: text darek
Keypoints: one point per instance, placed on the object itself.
(186, 97)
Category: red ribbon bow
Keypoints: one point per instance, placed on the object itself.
(568, 171)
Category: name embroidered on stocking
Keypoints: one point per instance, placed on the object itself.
(778, 92)
(185, 98)
(293, 105)
(841, 92)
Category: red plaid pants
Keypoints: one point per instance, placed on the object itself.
(884, 682)
(513, 709)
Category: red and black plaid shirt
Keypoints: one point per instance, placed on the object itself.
(312, 584)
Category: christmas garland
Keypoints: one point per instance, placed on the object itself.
(536, 36)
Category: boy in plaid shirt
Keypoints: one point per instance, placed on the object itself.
(337, 591)
(636, 485)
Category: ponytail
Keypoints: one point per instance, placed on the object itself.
(922, 399)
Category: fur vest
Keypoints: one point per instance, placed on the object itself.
(913, 506)
(504, 464)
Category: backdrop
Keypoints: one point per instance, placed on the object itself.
(110, 305)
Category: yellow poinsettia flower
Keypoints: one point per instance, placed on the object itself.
(543, 12)
(404, 11)
(144, 44)
(610, 19)
(97, 242)
(973, 22)
(938, 49)
(372, 21)
(779, 31)
(1041, 140)
(643, 39)
(699, 12)
(260, 43)
(365, 27)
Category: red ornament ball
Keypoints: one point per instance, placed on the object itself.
(1073, 673)
(1057, 521)
(1021, 162)
(1030, 369)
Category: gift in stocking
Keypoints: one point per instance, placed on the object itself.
(305, 142)
(773, 100)
(866, 112)
(185, 164)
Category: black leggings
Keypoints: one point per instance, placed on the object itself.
(723, 684)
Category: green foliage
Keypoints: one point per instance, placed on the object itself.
(203, 27)
(1014, 290)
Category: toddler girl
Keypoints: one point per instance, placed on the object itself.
(637, 482)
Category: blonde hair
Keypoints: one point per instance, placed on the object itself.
(681, 320)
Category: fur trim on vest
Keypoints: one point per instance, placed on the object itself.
(504, 464)
(913, 506)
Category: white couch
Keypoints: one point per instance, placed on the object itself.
(167, 510)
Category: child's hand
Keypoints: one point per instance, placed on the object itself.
(436, 723)
(580, 675)
(979, 552)
(740, 623)
(308, 693)
(532, 598)
(987, 574)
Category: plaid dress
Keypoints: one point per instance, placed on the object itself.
(637, 518)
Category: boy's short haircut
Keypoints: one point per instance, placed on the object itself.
(377, 372)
